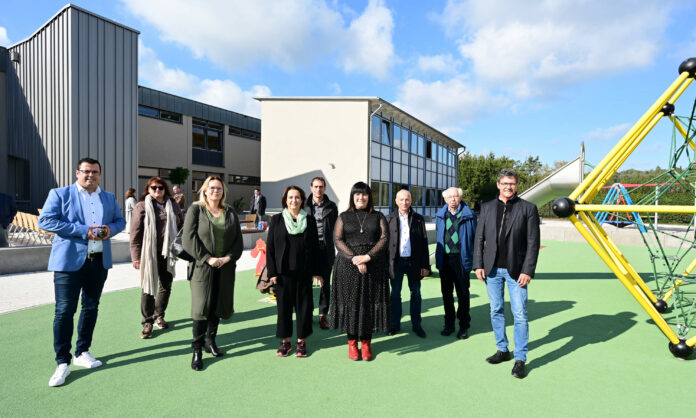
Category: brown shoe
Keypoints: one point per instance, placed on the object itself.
(161, 323)
(323, 323)
(147, 331)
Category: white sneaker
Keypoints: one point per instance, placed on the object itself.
(86, 360)
(58, 378)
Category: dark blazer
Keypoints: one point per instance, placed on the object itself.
(420, 256)
(198, 240)
(262, 206)
(8, 209)
(276, 245)
(329, 217)
(521, 236)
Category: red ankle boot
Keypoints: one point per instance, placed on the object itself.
(365, 348)
(353, 349)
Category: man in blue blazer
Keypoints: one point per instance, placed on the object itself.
(456, 226)
(83, 218)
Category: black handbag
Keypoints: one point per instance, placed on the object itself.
(177, 248)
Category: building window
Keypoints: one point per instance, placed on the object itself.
(385, 133)
(233, 130)
(152, 112)
(246, 180)
(207, 135)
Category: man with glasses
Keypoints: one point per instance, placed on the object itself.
(455, 224)
(83, 218)
(505, 253)
(325, 213)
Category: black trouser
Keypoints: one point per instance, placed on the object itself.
(325, 291)
(453, 277)
(205, 330)
(151, 307)
(294, 291)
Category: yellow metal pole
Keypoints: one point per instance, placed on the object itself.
(646, 116)
(671, 291)
(636, 208)
(691, 341)
(639, 296)
(631, 146)
(619, 257)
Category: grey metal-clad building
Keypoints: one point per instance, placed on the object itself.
(69, 91)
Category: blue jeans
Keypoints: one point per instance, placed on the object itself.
(68, 285)
(518, 301)
(402, 266)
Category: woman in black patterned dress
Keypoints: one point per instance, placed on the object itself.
(360, 294)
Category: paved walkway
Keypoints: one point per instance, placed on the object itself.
(26, 290)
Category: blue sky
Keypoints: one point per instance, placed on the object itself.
(516, 78)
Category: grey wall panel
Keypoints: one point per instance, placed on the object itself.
(73, 95)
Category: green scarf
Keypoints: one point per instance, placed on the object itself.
(295, 227)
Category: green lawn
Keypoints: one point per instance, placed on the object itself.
(593, 351)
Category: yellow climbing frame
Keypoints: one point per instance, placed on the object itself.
(581, 217)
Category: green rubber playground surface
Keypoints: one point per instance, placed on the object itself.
(593, 352)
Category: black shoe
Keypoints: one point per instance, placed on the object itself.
(213, 349)
(323, 323)
(197, 360)
(518, 369)
(447, 331)
(419, 332)
(393, 331)
(499, 357)
(463, 334)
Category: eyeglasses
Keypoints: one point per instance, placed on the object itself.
(508, 184)
(215, 189)
(157, 187)
(89, 172)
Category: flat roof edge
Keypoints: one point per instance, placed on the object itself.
(63, 10)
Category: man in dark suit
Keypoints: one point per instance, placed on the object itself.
(325, 213)
(258, 205)
(506, 249)
(84, 218)
(408, 253)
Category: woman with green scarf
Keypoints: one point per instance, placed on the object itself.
(292, 251)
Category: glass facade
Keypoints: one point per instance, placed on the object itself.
(402, 158)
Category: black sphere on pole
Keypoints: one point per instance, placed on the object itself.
(660, 305)
(668, 109)
(689, 65)
(681, 350)
(563, 207)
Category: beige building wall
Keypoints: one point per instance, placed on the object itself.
(163, 144)
(302, 139)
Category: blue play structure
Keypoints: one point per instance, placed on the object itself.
(617, 195)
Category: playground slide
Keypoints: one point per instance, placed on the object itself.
(557, 184)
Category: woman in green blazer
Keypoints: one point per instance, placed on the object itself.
(213, 237)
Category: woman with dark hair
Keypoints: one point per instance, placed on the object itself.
(213, 237)
(154, 225)
(130, 205)
(291, 262)
(360, 294)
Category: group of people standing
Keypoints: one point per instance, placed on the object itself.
(306, 241)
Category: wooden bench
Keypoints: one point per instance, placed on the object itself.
(29, 221)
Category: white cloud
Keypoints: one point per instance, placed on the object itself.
(533, 48)
(614, 133)
(4, 39)
(237, 34)
(449, 105)
(336, 89)
(444, 63)
(222, 93)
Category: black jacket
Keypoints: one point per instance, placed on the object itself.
(262, 205)
(420, 256)
(329, 217)
(8, 209)
(277, 242)
(520, 234)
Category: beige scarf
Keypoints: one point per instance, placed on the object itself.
(149, 279)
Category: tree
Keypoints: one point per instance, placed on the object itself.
(178, 175)
(478, 176)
